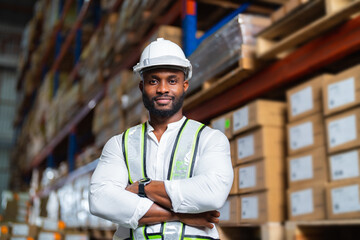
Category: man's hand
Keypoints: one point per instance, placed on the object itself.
(205, 219)
(134, 188)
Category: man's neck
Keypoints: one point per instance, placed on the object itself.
(160, 124)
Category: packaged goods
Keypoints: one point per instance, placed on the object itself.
(342, 91)
(343, 131)
(343, 199)
(305, 134)
(344, 165)
(258, 113)
(260, 175)
(261, 207)
(213, 56)
(260, 143)
(307, 202)
(307, 168)
(305, 99)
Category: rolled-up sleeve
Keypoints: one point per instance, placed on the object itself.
(212, 179)
(108, 197)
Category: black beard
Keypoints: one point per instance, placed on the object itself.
(150, 105)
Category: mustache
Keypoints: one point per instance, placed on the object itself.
(161, 96)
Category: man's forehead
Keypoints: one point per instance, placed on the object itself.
(163, 71)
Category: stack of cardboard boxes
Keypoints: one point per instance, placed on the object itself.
(306, 162)
(257, 141)
(342, 117)
(323, 141)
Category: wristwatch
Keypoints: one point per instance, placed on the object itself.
(142, 183)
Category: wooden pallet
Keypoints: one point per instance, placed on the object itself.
(305, 23)
(266, 231)
(245, 67)
(326, 229)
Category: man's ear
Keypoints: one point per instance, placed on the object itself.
(186, 85)
(141, 85)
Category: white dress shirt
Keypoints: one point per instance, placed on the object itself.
(207, 190)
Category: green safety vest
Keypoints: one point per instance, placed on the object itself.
(134, 150)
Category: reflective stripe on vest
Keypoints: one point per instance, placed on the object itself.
(181, 167)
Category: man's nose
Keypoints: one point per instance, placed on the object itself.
(163, 87)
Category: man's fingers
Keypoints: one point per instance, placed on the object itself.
(216, 214)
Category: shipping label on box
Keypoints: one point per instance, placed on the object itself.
(245, 146)
(301, 136)
(301, 168)
(247, 177)
(258, 113)
(260, 143)
(261, 207)
(343, 131)
(264, 174)
(343, 199)
(307, 202)
(342, 91)
(301, 101)
(305, 134)
(307, 167)
(241, 118)
(249, 207)
(305, 99)
(224, 124)
(344, 165)
(302, 202)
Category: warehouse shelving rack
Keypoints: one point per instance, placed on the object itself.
(327, 49)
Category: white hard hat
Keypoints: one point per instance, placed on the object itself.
(163, 53)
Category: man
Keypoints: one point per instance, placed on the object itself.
(163, 179)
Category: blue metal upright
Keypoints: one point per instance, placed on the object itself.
(78, 37)
(58, 44)
(72, 148)
(189, 25)
(50, 162)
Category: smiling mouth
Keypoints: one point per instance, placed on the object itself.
(163, 100)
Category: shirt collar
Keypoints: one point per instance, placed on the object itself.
(173, 125)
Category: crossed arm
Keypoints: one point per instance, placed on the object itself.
(160, 210)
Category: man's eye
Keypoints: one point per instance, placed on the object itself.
(153, 81)
(172, 81)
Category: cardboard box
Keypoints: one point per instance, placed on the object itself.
(259, 113)
(224, 124)
(343, 199)
(234, 187)
(307, 202)
(343, 131)
(230, 211)
(233, 151)
(260, 143)
(305, 99)
(260, 175)
(305, 134)
(261, 207)
(342, 91)
(344, 165)
(307, 168)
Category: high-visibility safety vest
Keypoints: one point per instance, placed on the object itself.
(181, 166)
